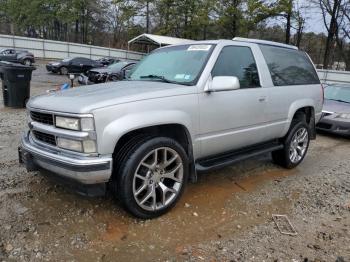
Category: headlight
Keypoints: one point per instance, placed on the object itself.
(68, 123)
(344, 116)
(86, 146)
(78, 124)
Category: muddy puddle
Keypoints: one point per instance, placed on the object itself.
(93, 229)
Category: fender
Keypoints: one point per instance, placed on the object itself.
(294, 107)
(130, 122)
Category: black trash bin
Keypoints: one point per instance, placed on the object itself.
(15, 83)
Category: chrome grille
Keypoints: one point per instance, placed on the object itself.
(46, 138)
(43, 118)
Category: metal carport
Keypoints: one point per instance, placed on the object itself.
(155, 41)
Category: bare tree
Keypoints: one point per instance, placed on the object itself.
(332, 14)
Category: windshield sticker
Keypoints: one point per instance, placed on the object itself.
(199, 48)
(187, 77)
(179, 76)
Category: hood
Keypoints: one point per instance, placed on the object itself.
(55, 62)
(336, 107)
(85, 99)
(101, 70)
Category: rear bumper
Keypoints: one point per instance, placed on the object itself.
(85, 170)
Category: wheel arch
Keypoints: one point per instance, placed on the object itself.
(304, 107)
(176, 131)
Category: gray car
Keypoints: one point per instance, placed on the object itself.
(17, 56)
(336, 110)
(184, 110)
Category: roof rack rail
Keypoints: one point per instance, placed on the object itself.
(264, 42)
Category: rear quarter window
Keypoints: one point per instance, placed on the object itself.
(289, 66)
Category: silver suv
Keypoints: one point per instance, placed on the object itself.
(185, 109)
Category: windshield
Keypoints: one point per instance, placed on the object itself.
(175, 64)
(117, 66)
(341, 93)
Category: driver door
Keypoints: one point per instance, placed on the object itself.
(233, 119)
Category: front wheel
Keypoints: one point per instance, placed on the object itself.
(64, 70)
(296, 145)
(152, 177)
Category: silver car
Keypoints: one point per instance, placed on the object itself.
(185, 109)
(336, 110)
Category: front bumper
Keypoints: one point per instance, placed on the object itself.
(51, 68)
(334, 125)
(82, 169)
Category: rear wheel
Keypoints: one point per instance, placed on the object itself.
(152, 177)
(27, 62)
(296, 144)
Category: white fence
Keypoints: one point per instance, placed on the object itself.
(334, 77)
(49, 49)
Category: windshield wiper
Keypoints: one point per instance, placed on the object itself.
(160, 78)
(339, 100)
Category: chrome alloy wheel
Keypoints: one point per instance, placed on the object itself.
(158, 179)
(298, 145)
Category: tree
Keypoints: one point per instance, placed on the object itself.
(331, 12)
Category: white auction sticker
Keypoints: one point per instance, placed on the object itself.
(199, 48)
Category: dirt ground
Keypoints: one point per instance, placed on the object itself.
(226, 216)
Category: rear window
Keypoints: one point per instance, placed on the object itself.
(289, 66)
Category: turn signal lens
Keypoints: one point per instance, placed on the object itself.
(69, 144)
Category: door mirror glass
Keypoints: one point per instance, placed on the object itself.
(224, 83)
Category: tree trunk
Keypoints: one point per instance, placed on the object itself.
(333, 27)
(76, 34)
(147, 17)
(288, 27)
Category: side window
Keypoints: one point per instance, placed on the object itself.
(289, 66)
(237, 61)
(84, 60)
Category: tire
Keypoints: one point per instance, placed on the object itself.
(146, 184)
(27, 62)
(293, 153)
(63, 70)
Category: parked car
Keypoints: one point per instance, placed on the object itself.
(17, 56)
(72, 65)
(185, 109)
(106, 61)
(336, 110)
(113, 72)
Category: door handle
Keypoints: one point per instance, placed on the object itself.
(262, 99)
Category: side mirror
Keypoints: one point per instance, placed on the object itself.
(224, 83)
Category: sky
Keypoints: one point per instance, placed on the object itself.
(314, 19)
(312, 13)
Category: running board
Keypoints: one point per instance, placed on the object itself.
(223, 160)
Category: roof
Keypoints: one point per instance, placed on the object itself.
(159, 40)
(264, 42)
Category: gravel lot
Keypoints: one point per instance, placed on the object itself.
(226, 216)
